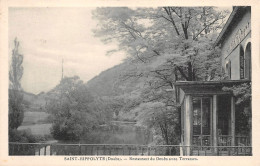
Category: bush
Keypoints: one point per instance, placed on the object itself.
(73, 110)
(16, 111)
(24, 136)
(243, 95)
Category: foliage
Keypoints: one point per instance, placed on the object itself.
(15, 101)
(242, 93)
(243, 98)
(16, 68)
(164, 45)
(181, 36)
(164, 121)
(73, 108)
(102, 109)
(24, 136)
(16, 111)
(243, 125)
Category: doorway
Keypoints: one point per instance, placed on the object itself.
(202, 107)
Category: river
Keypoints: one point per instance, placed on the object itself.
(114, 133)
(120, 133)
(117, 132)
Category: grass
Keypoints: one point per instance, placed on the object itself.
(37, 122)
(31, 118)
(37, 129)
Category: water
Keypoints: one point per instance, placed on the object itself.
(119, 134)
(115, 133)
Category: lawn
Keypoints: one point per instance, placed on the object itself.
(37, 129)
(31, 118)
(37, 122)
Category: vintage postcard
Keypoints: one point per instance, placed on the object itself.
(129, 83)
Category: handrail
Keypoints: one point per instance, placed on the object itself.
(16, 148)
(128, 145)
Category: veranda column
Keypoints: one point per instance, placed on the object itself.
(214, 123)
(233, 121)
(188, 124)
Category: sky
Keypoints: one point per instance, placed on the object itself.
(48, 35)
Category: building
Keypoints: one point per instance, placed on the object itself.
(208, 114)
(235, 42)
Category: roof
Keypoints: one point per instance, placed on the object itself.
(207, 87)
(222, 82)
(234, 17)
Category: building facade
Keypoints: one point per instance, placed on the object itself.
(235, 43)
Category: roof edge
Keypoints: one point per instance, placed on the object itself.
(181, 83)
(231, 16)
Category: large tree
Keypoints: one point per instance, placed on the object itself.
(16, 112)
(181, 36)
(163, 45)
(73, 108)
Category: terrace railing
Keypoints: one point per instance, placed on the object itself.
(223, 140)
(16, 149)
(242, 141)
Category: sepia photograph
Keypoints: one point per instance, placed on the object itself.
(129, 81)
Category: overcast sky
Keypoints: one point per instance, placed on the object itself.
(47, 35)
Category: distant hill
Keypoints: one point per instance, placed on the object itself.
(103, 84)
(124, 92)
(35, 102)
(112, 82)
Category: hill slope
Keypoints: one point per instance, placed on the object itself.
(113, 82)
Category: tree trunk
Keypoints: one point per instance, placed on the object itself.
(185, 31)
(190, 73)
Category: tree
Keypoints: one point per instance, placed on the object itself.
(16, 112)
(164, 45)
(182, 36)
(162, 119)
(104, 112)
(243, 96)
(72, 110)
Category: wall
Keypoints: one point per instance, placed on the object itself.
(231, 46)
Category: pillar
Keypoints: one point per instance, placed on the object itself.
(214, 123)
(233, 121)
(188, 124)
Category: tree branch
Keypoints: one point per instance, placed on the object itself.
(182, 73)
(194, 38)
(171, 20)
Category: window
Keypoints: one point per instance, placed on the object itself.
(228, 69)
(248, 61)
(242, 63)
(201, 121)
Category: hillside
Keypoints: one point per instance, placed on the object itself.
(103, 84)
(34, 102)
(122, 92)
(113, 82)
